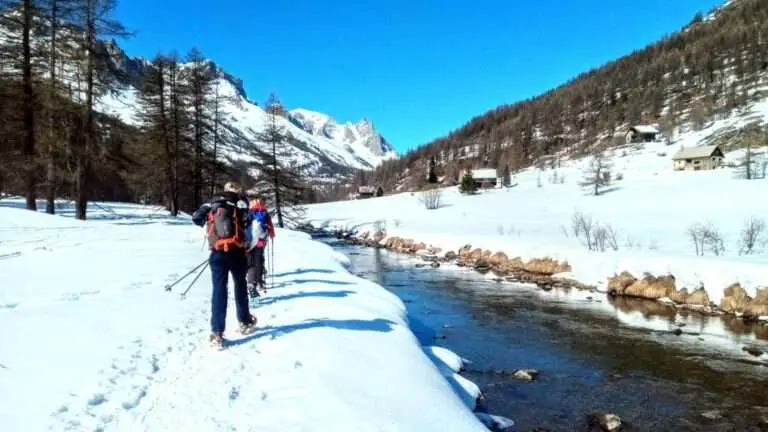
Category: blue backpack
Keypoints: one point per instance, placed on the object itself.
(259, 227)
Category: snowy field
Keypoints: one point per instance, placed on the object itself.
(650, 209)
(92, 341)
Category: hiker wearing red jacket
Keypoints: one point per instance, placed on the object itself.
(261, 231)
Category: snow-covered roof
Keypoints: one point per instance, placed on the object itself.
(695, 152)
(645, 129)
(484, 173)
(366, 189)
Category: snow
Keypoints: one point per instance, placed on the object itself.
(646, 129)
(92, 341)
(651, 209)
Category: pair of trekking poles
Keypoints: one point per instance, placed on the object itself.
(200, 268)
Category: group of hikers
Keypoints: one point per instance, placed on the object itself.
(237, 230)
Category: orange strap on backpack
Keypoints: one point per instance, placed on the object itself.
(223, 244)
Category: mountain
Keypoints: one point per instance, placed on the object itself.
(328, 156)
(713, 68)
(319, 145)
(360, 139)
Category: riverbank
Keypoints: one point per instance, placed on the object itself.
(94, 341)
(548, 275)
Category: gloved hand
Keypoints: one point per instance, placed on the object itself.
(261, 243)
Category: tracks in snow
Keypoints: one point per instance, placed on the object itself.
(174, 381)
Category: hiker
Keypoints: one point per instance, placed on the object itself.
(227, 221)
(261, 231)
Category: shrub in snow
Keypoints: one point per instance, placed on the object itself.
(752, 236)
(380, 226)
(431, 198)
(706, 236)
(605, 237)
(593, 235)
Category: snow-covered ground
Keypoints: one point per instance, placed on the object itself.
(650, 209)
(92, 341)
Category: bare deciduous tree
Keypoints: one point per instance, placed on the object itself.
(605, 237)
(582, 227)
(706, 236)
(597, 174)
(752, 236)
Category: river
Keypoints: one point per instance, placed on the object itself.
(659, 371)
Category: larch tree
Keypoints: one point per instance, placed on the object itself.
(598, 172)
(94, 19)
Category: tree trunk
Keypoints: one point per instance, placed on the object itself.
(50, 178)
(30, 173)
(275, 172)
(176, 138)
(83, 160)
(172, 205)
(215, 138)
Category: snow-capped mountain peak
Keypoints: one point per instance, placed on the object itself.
(360, 138)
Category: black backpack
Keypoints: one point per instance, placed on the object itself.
(225, 227)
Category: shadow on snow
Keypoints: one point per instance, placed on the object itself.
(301, 271)
(312, 294)
(376, 325)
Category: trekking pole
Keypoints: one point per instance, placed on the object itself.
(202, 270)
(272, 264)
(169, 286)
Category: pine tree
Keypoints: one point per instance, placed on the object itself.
(598, 173)
(432, 176)
(506, 176)
(56, 13)
(93, 17)
(468, 185)
(156, 126)
(199, 89)
(280, 176)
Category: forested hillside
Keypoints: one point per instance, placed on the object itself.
(714, 65)
(81, 120)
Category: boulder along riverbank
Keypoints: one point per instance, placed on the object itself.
(548, 274)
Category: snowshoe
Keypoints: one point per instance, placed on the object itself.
(217, 341)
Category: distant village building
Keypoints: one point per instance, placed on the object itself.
(698, 158)
(366, 192)
(642, 133)
(485, 178)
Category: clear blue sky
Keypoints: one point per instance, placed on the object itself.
(417, 68)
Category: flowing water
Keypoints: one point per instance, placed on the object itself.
(655, 367)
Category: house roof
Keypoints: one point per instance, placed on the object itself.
(695, 152)
(645, 129)
(366, 189)
(484, 173)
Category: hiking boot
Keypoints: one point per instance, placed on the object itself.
(217, 340)
(253, 290)
(263, 287)
(249, 328)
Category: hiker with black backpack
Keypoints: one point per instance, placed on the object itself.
(260, 233)
(227, 221)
